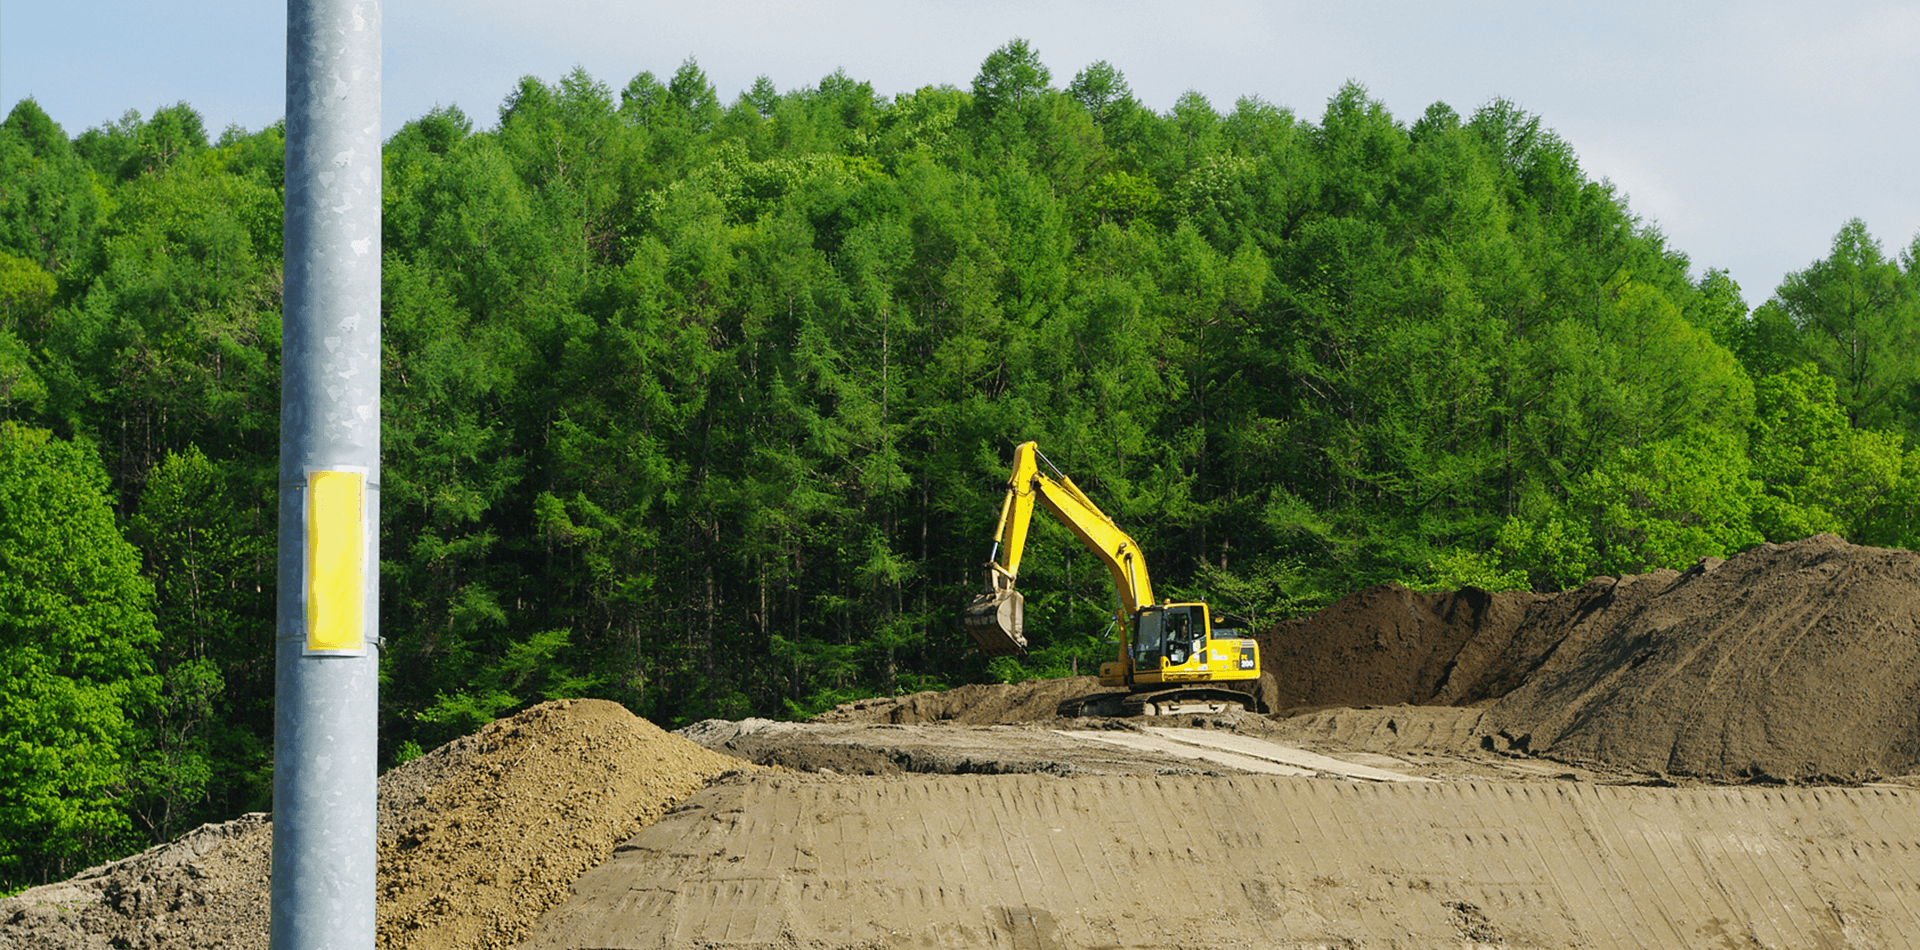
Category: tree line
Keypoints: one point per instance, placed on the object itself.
(706, 407)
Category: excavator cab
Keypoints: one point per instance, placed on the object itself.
(1175, 633)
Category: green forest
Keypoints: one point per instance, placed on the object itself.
(706, 407)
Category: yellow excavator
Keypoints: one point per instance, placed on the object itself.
(1171, 656)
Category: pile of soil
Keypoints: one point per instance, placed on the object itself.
(207, 888)
(536, 800)
(1797, 662)
(476, 838)
(1387, 646)
(972, 705)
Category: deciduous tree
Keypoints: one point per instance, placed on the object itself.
(75, 624)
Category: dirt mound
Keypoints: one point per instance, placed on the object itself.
(477, 839)
(1387, 645)
(789, 745)
(1797, 662)
(980, 704)
(543, 797)
(208, 888)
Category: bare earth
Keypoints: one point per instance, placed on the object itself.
(477, 839)
(1252, 861)
(1721, 757)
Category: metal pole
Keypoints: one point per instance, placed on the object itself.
(327, 655)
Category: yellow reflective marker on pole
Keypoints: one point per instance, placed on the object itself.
(336, 562)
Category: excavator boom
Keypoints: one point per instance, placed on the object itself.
(996, 618)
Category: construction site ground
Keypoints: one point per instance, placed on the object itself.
(1385, 827)
(1723, 757)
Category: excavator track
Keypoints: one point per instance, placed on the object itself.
(1176, 701)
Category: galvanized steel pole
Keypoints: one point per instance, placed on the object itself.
(327, 656)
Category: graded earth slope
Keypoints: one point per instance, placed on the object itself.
(775, 862)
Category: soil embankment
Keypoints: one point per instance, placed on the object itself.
(1387, 645)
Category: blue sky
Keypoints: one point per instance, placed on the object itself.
(1749, 133)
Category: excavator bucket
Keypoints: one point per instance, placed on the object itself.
(997, 620)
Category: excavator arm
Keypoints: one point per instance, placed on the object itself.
(996, 618)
